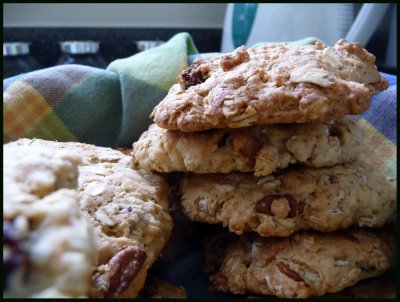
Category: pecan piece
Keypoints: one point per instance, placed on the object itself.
(284, 269)
(124, 266)
(296, 207)
(247, 145)
(231, 60)
(264, 205)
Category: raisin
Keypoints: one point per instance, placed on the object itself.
(193, 75)
(18, 258)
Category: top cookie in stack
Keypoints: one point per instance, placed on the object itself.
(271, 84)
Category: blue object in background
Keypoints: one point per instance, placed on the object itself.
(242, 22)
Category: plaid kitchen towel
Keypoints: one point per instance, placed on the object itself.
(102, 107)
(111, 107)
(380, 127)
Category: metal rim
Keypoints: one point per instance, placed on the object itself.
(79, 47)
(15, 48)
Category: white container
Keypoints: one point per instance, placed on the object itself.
(391, 54)
(288, 22)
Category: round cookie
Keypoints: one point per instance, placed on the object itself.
(262, 149)
(48, 247)
(128, 210)
(300, 266)
(273, 83)
(323, 199)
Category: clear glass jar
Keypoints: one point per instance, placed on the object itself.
(17, 59)
(147, 44)
(81, 52)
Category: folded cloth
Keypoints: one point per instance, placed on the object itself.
(111, 107)
(102, 107)
(380, 127)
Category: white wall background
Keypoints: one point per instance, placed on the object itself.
(188, 15)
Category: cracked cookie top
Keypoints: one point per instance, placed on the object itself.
(274, 83)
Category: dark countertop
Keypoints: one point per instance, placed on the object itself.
(115, 42)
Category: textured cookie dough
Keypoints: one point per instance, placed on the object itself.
(273, 83)
(262, 149)
(128, 210)
(48, 247)
(300, 266)
(323, 199)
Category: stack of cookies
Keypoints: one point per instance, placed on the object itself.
(268, 152)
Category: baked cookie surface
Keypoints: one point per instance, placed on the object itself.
(48, 247)
(300, 266)
(128, 210)
(323, 199)
(262, 149)
(271, 84)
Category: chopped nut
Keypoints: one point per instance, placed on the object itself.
(264, 205)
(319, 45)
(284, 269)
(247, 145)
(296, 207)
(231, 60)
(124, 266)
